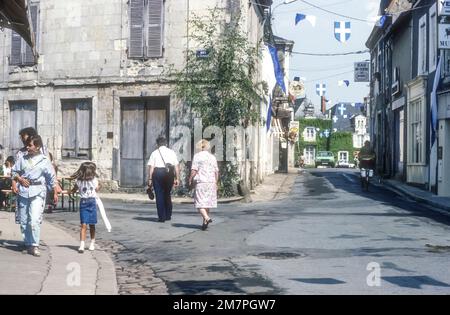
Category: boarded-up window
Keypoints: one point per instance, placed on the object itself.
(21, 52)
(23, 115)
(146, 28)
(76, 126)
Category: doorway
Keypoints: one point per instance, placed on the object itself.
(143, 120)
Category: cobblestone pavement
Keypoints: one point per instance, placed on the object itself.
(133, 276)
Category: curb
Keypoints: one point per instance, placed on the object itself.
(174, 201)
(415, 197)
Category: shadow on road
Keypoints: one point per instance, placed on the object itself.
(376, 193)
(16, 246)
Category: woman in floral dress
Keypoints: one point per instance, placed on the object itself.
(204, 176)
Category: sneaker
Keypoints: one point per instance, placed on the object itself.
(92, 246)
(81, 250)
(34, 251)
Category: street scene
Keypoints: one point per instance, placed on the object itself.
(231, 147)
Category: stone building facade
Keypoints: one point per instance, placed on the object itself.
(98, 89)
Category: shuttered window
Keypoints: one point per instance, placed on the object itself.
(21, 52)
(146, 28)
(76, 126)
(22, 115)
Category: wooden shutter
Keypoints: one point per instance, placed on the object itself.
(16, 49)
(69, 127)
(136, 45)
(83, 129)
(155, 28)
(23, 114)
(29, 57)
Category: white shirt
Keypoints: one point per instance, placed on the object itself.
(7, 171)
(169, 156)
(87, 188)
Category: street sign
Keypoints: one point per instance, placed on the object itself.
(202, 53)
(444, 36)
(444, 7)
(362, 71)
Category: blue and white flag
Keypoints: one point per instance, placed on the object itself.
(310, 18)
(342, 31)
(342, 82)
(321, 89)
(380, 21)
(434, 100)
(277, 68)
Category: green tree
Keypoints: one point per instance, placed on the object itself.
(221, 87)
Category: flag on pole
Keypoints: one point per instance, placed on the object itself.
(321, 89)
(310, 18)
(277, 68)
(434, 101)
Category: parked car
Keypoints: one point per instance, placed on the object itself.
(325, 158)
(345, 164)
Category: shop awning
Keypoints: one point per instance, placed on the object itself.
(14, 15)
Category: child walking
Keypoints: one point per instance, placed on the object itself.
(87, 186)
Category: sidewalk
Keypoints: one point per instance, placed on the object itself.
(419, 195)
(59, 270)
(275, 187)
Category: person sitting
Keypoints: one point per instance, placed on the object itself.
(5, 181)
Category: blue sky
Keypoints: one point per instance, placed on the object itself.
(320, 39)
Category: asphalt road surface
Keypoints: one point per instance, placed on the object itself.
(327, 237)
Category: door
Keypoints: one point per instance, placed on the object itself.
(155, 127)
(132, 145)
(143, 121)
(22, 115)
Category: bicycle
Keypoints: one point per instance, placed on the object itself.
(366, 172)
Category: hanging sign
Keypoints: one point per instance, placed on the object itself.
(362, 71)
(444, 7)
(444, 36)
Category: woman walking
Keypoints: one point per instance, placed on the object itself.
(205, 177)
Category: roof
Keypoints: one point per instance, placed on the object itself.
(14, 15)
(279, 41)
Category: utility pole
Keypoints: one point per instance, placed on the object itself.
(323, 104)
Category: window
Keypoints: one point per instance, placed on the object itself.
(309, 155)
(21, 53)
(22, 115)
(343, 156)
(146, 28)
(422, 54)
(76, 126)
(310, 134)
(433, 38)
(360, 141)
(416, 132)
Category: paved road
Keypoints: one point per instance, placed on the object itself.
(328, 237)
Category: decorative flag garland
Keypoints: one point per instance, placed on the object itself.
(310, 18)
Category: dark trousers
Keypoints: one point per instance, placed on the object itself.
(162, 184)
